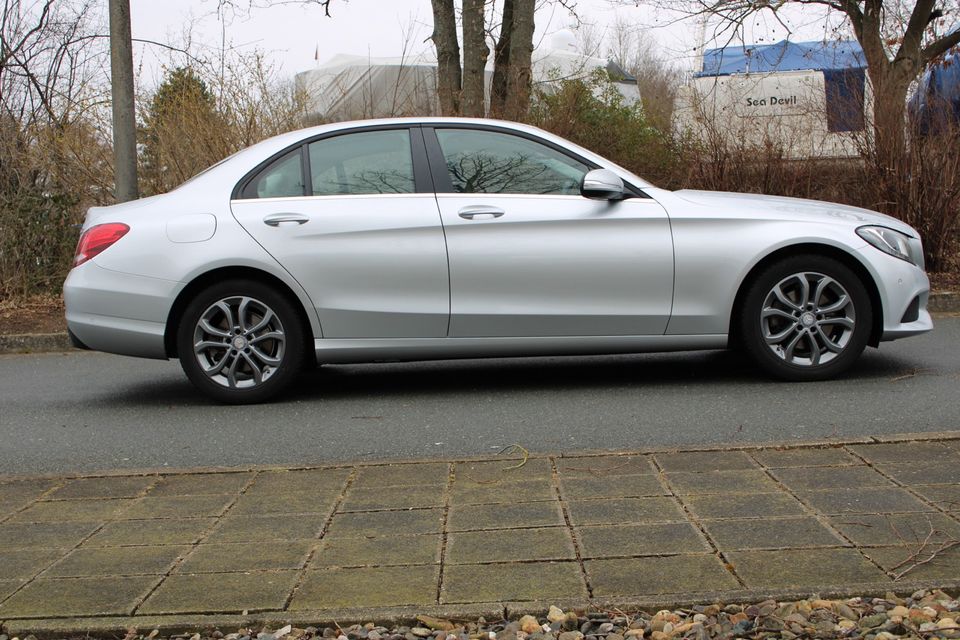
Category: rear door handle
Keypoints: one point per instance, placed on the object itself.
(480, 212)
(274, 219)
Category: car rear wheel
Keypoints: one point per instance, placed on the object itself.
(240, 342)
(806, 318)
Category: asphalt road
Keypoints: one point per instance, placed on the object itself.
(88, 411)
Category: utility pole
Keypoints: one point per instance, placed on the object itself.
(124, 122)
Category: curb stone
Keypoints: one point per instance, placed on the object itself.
(939, 302)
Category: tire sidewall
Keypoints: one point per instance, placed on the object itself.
(750, 326)
(293, 329)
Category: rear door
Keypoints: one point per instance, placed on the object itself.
(530, 256)
(352, 216)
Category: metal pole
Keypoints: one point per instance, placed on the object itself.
(124, 122)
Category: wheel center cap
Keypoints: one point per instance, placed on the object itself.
(808, 319)
(239, 342)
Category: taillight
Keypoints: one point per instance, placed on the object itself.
(97, 239)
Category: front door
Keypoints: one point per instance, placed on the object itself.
(530, 256)
(347, 218)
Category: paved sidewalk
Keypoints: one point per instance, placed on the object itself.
(464, 537)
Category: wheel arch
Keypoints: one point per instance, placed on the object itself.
(807, 248)
(204, 280)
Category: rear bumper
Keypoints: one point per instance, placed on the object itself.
(118, 312)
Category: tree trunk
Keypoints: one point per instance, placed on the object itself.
(448, 56)
(501, 62)
(475, 54)
(890, 82)
(521, 49)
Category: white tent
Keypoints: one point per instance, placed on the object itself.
(811, 99)
(349, 86)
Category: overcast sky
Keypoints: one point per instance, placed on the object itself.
(292, 35)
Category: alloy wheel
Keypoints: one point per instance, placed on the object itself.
(807, 319)
(239, 342)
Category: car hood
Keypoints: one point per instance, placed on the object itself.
(795, 208)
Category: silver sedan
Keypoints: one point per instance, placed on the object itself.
(415, 239)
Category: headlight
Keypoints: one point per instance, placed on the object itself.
(890, 242)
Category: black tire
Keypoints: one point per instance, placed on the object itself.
(267, 358)
(815, 336)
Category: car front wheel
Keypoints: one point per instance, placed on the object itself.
(806, 318)
(240, 342)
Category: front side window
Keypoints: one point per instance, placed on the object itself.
(282, 179)
(362, 163)
(489, 162)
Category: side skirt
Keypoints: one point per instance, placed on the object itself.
(344, 350)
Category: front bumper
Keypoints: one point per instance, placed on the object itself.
(904, 290)
(118, 312)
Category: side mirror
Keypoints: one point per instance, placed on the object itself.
(602, 184)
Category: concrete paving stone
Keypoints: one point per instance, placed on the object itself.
(697, 461)
(23, 564)
(24, 491)
(7, 587)
(896, 528)
(725, 482)
(251, 556)
(64, 597)
(117, 561)
(504, 516)
(373, 587)
(377, 551)
(871, 500)
(640, 539)
(151, 532)
(936, 473)
(508, 545)
(293, 502)
(923, 453)
(663, 575)
(402, 475)
(199, 484)
(111, 487)
(376, 498)
(382, 523)
(812, 478)
(804, 568)
(604, 466)
(625, 510)
(515, 582)
(771, 533)
(944, 565)
(64, 535)
(221, 593)
(467, 491)
(504, 470)
(299, 480)
(267, 528)
(744, 505)
(827, 457)
(612, 487)
(177, 507)
(945, 496)
(73, 511)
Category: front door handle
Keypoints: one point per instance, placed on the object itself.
(274, 219)
(480, 212)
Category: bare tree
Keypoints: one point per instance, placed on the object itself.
(475, 53)
(448, 56)
(899, 38)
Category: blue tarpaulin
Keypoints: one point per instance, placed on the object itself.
(937, 99)
(783, 56)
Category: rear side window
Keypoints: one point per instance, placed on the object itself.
(489, 162)
(368, 162)
(283, 178)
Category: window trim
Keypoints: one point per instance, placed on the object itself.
(438, 163)
(422, 179)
